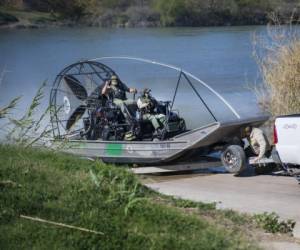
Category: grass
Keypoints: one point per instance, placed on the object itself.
(271, 223)
(28, 130)
(4, 111)
(103, 198)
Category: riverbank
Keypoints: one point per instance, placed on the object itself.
(67, 202)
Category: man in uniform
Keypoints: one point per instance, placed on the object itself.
(146, 104)
(116, 90)
(258, 142)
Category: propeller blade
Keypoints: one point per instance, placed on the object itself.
(76, 115)
(78, 90)
(89, 82)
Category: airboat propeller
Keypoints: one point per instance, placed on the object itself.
(77, 87)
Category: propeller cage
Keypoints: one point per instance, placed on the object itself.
(75, 89)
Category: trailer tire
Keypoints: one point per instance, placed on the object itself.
(234, 159)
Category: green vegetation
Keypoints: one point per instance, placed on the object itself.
(192, 204)
(160, 12)
(29, 130)
(203, 13)
(32, 128)
(271, 223)
(4, 111)
(94, 196)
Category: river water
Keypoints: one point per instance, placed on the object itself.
(220, 56)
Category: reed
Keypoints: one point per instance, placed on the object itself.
(33, 127)
(6, 110)
(278, 58)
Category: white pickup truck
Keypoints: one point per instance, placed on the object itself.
(287, 139)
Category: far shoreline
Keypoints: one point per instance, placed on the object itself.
(33, 26)
(21, 20)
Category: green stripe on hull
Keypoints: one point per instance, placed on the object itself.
(114, 149)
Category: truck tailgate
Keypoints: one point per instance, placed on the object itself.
(288, 134)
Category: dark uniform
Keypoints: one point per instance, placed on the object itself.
(116, 91)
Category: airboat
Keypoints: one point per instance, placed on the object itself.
(199, 120)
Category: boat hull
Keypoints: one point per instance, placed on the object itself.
(155, 152)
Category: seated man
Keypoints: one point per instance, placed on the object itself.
(258, 142)
(146, 104)
(116, 90)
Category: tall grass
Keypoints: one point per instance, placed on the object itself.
(31, 128)
(278, 57)
(6, 109)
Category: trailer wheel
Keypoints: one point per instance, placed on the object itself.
(234, 159)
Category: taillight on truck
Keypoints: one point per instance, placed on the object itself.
(275, 137)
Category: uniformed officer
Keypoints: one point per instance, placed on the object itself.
(258, 142)
(146, 104)
(116, 90)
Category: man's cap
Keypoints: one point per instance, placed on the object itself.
(114, 80)
(113, 77)
(248, 129)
